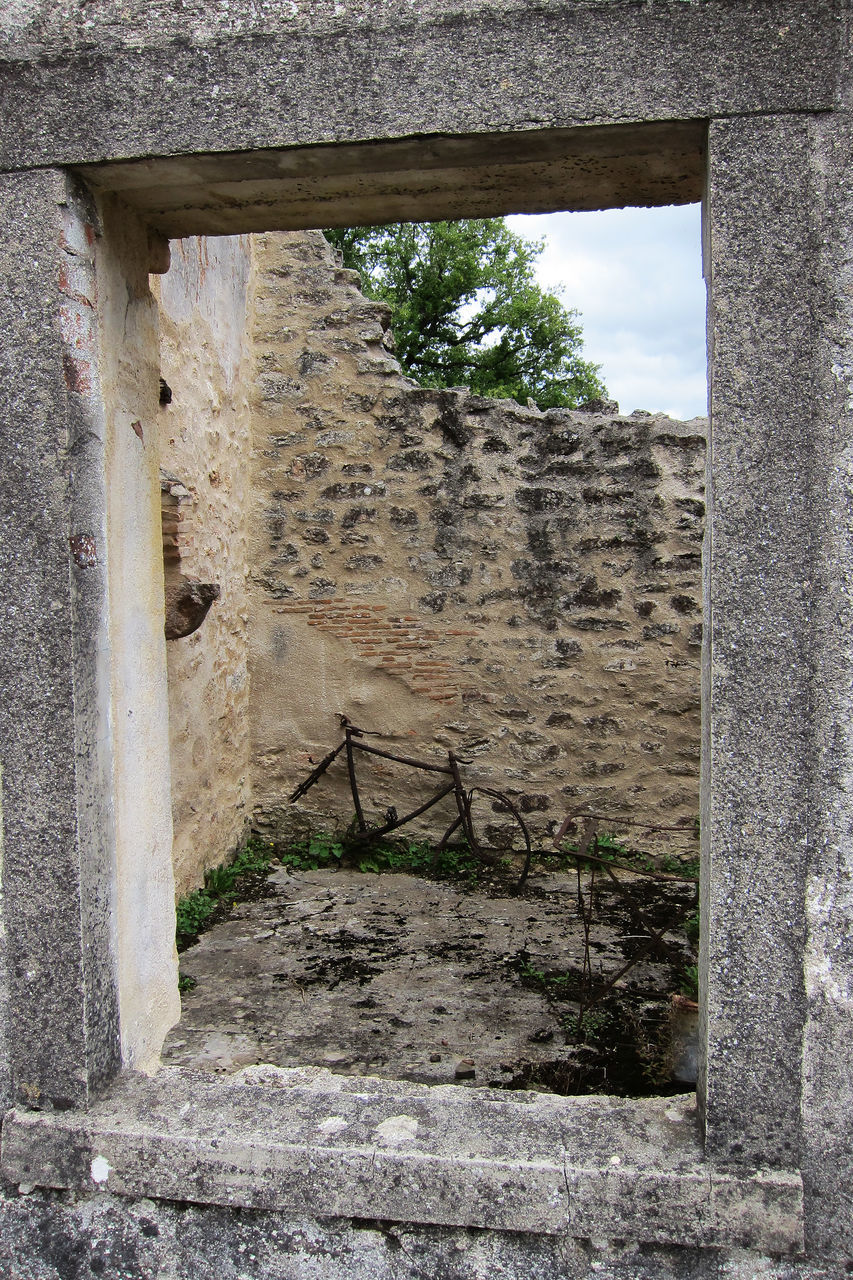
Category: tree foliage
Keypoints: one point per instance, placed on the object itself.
(467, 311)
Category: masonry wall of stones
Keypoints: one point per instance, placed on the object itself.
(459, 573)
(449, 571)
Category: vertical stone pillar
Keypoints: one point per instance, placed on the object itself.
(5, 1008)
(827, 1161)
(57, 862)
(139, 700)
(761, 649)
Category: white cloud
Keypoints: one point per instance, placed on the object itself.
(635, 277)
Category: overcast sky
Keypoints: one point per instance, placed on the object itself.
(635, 276)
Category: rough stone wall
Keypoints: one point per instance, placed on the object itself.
(6, 1095)
(52, 1236)
(205, 434)
(456, 572)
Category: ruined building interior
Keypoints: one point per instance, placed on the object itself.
(452, 572)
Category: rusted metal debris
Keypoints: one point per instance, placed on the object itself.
(592, 825)
(353, 743)
(587, 826)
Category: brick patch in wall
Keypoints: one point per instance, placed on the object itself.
(392, 641)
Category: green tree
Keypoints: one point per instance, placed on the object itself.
(467, 311)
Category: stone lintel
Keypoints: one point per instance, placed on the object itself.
(535, 171)
(171, 81)
(305, 1141)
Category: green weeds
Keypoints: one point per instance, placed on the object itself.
(555, 985)
(455, 862)
(691, 928)
(255, 859)
(318, 850)
(686, 867)
(194, 911)
(419, 857)
(591, 1026)
(397, 855)
(230, 882)
(690, 982)
(608, 848)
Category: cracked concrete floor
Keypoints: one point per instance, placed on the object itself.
(397, 976)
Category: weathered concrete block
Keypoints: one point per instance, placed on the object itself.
(293, 1139)
(58, 929)
(760, 566)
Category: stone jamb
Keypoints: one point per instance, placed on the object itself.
(57, 871)
(592, 1184)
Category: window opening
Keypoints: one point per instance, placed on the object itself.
(354, 495)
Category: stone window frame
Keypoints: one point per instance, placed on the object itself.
(579, 1166)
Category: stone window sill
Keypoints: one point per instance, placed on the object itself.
(308, 1142)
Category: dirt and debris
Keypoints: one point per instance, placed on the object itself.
(406, 977)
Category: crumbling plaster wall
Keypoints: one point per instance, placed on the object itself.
(147, 973)
(464, 573)
(204, 302)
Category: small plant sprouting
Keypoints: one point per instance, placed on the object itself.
(319, 850)
(326, 849)
(691, 927)
(690, 982)
(587, 1026)
(453, 862)
(192, 913)
(218, 881)
(532, 974)
(686, 868)
(608, 848)
(604, 847)
(557, 985)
